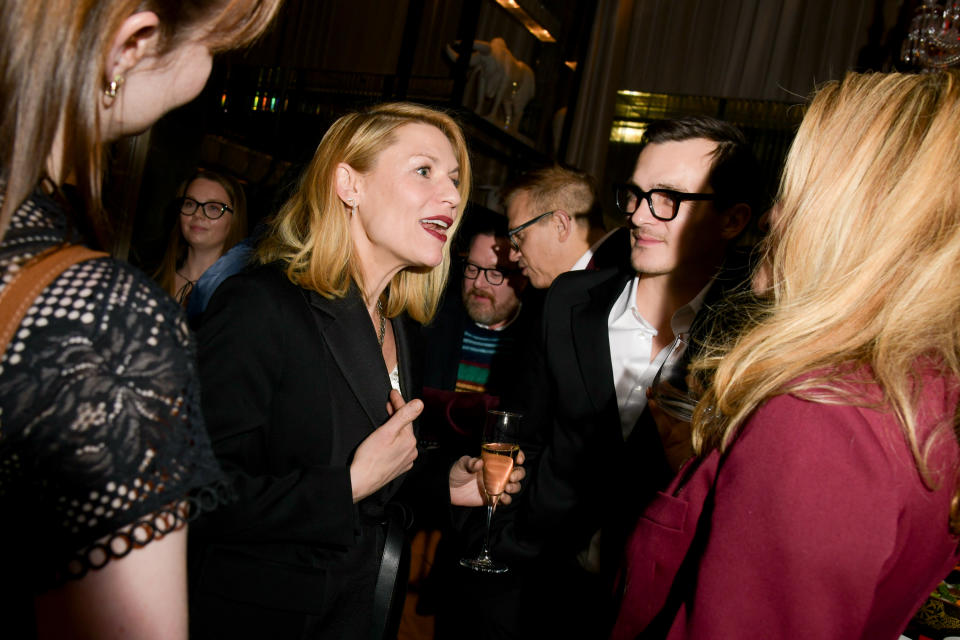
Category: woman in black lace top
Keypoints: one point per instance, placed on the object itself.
(101, 437)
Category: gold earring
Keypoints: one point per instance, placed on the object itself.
(114, 87)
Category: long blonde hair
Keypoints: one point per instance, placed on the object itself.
(863, 259)
(311, 232)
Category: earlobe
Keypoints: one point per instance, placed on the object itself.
(347, 181)
(735, 220)
(563, 222)
(136, 39)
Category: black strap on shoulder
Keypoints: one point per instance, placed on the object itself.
(390, 588)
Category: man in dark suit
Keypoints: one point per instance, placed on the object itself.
(556, 225)
(595, 452)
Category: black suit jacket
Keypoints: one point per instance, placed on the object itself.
(583, 476)
(292, 383)
(614, 252)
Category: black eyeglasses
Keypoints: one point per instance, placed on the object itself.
(663, 203)
(493, 276)
(512, 233)
(211, 210)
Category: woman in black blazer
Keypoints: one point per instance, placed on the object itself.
(307, 364)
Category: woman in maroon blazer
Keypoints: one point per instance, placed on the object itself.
(828, 462)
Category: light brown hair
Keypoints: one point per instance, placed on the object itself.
(52, 67)
(555, 187)
(176, 251)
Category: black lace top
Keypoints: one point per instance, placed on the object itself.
(101, 435)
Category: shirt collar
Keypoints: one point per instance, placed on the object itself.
(624, 312)
(682, 319)
(584, 260)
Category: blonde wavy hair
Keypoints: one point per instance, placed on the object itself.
(862, 261)
(311, 232)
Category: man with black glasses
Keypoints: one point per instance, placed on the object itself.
(469, 345)
(472, 353)
(595, 455)
(556, 225)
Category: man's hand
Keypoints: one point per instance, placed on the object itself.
(466, 482)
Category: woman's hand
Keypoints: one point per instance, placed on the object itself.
(388, 451)
(466, 482)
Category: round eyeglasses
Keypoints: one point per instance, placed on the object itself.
(493, 276)
(663, 203)
(211, 210)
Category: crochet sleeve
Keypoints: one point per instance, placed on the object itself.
(102, 442)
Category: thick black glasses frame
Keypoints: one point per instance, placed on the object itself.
(219, 208)
(494, 276)
(621, 190)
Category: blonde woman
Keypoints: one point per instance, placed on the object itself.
(310, 389)
(101, 435)
(832, 421)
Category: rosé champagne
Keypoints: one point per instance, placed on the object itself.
(498, 459)
(499, 451)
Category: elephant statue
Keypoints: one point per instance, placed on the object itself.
(501, 85)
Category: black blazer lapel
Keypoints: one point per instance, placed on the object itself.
(592, 341)
(345, 327)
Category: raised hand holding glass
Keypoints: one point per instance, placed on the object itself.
(499, 451)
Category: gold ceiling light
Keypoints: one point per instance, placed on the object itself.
(539, 31)
(627, 132)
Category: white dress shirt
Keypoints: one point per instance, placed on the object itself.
(631, 344)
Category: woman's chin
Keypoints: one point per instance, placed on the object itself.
(421, 267)
(426, 261)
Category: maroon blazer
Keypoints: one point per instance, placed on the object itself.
(820, 526)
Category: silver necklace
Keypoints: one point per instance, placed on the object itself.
(383, 323)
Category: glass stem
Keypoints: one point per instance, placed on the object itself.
(486, 534)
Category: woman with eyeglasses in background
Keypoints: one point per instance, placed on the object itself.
(212, 219)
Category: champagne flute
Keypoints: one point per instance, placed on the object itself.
(498, 451)
(669, 387)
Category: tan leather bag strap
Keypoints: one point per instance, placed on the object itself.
(32, 279)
